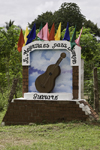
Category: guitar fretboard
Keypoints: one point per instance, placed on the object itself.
(58, 61)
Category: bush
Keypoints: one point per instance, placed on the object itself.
(3, 100)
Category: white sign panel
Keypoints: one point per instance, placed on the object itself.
(54, 45)
(75, 60)
(47, 96)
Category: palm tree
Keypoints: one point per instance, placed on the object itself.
(9, 24)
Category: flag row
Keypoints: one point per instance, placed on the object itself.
(46, 36)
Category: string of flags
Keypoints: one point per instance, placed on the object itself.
(46, 36)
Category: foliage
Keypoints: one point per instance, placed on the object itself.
(3, 103)
(43, 18)
(9, 24)
(8, 52)
(94, 28)
(88, 80)
(91, 55)
(88, 44)
(10, 59)
(3, 100)
(68, 12)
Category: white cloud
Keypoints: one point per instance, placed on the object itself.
(32, 87)
(39, 61)
(34, 75)
(48, 54)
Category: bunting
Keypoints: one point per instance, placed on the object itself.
(39, 31)
(73, 39)
(44, 33)
(67, 36)
(25, 36)
(32, 35)
(77, 41)
(58, 34)
(20, 41)
(52, 33)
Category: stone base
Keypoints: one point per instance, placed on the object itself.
(22, 111)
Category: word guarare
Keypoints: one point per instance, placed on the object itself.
(45, 97)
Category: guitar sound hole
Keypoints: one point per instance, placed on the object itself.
(50, 73)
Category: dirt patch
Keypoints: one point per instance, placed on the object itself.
(15, 142)
(2, 147)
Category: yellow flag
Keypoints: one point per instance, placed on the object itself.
(25, 36)
(58, 34)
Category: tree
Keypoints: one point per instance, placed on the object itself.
(94, 28)
(91, 55)
(45, 17)
(68, 12)
(9, 24)
(10, 58)
(89, 44)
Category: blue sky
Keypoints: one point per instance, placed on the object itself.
(43, 59)
(24, 11)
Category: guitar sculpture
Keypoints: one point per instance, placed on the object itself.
(46, 82)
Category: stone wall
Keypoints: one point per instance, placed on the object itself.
(25, 79)
(21, 112)
(75, 82)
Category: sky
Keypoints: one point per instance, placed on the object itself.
(23, 12)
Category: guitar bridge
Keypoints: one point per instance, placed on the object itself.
(42, 86)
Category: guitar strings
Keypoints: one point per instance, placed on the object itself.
(55, 65)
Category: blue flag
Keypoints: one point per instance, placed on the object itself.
(32, 35)
(66, 36)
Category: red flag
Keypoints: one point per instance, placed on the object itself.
(20, 41)
(52, 33)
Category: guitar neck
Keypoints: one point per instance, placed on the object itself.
(58, 61)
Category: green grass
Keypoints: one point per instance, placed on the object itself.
(59, 136)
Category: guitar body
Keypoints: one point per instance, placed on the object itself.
(46, 82)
